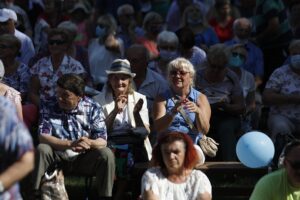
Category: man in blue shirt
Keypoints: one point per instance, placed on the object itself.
(75, 134)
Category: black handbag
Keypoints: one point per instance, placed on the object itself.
(132, 136)
(136, 138)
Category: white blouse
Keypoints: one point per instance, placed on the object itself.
(197, 183)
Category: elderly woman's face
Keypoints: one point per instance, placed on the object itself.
(180, 78)
(119, 83)
(173, 155)
(57, 44)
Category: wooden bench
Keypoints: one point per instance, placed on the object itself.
(230, 180)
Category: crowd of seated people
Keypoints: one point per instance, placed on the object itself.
(201, 68)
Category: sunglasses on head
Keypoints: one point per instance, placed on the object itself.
(56, 42)
(175, 72)
(294, 164)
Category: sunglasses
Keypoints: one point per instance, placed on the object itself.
(56, 42)
(181, 73)
(235, 54)
(294, 164)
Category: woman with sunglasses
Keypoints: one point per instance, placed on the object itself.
(182, 108)
(46, 71)
(223, 90)
(236, 62)
(282, 184)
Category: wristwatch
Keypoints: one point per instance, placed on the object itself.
(1, 187)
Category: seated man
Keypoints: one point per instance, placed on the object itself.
(282, 184)
(74, 133)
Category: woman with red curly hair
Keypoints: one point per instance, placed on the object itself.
(173, 176)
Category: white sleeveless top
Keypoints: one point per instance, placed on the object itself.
(197, 183)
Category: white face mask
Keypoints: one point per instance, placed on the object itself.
(295, 61)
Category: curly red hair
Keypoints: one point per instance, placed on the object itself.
(191, 155)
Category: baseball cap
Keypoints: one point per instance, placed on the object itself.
(6, 14)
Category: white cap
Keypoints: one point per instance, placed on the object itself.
(81, 6)
(6, 14)
(2, 71)
(68, 25)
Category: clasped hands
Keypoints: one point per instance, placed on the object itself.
(81, 145)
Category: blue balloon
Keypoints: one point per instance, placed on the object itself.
(255, 149)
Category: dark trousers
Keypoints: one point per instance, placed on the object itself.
(224, 128)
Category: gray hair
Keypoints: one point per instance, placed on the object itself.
(184, 64)
(121, 9)
(218, 55)
(151, 16)
(241, 20)
(167, 37)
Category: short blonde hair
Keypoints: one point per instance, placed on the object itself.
(183, 64)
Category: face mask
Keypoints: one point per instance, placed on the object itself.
(100, 32)
(295, 61)
(168, 55)
(194, 21)
(236, 61)
(241, 41)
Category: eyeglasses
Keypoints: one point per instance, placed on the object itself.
(56, 42)
(181, 73)
(236, 54)
(294, 164)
